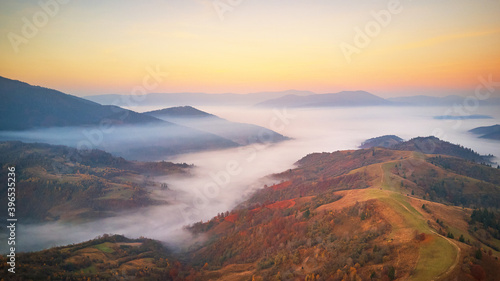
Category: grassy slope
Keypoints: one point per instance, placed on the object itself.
(437, 255)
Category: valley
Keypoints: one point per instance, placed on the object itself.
(363, 214)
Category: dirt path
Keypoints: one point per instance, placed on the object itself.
(457, 258)
(382, 173)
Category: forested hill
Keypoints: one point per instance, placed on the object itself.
(59, 182)
(433, 145)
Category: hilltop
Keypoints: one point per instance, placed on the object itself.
(382, 141)
(433, 145)
(179, 112)
(427, 145)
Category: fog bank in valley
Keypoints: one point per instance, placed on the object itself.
(223, 178)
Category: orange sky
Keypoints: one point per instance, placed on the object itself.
(100, 48)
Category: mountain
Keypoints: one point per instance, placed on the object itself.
(346, 98)
(382, 141)
(196, 99)
(62, 183)
(368, 214)
(25, 107)
(462, 117)
(35, 114)
(488, 132)
(422, 100)
(427, 145)
(180, 112)
(433, 145)
(240, 133)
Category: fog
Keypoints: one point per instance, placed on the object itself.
(224, 178)
(149, 142)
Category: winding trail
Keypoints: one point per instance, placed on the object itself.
(457, 258)
(459, 251)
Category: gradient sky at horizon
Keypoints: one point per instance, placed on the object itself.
(103, 47)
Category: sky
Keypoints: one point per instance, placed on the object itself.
(389, 48)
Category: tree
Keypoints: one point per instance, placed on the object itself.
(391, 273)
(307, 213)
(479, 254)
(478, 272)
(461, 238)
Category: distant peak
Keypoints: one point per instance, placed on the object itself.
(180, 111)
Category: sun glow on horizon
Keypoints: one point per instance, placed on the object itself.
(102, 48)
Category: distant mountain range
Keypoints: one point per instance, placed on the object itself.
(196, 99)
(487, 132)
(462, 117)
(422, 100)
(240, 133)
(36, 114)
(347, 98)
(290, 98)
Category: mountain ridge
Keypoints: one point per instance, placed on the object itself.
(487, 132)
(25, 107)
(344, 98)
(241, 133)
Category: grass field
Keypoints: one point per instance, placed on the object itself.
(105, 247)
(437, 254)
(435, 258)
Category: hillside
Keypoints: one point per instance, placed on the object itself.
(427, 145)
(488, 132)
(25, 106)
(346, 98)
(368, 214)
(62, 183)
(110, 257)
(374, 214)
(433, 145)
(240, 133)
